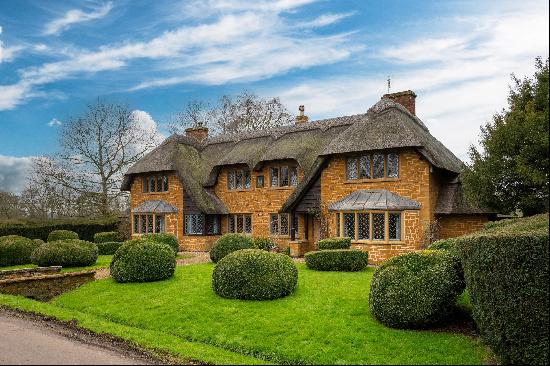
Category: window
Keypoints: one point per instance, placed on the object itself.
(337, 224)
(155, 183)
(194, 224)
(274, 177)
(238, 179)
(349, 225)
(213, 225)
(295, 226)
(283, 176)
(148, 223)
(363, 226)
(293, 176)
(239, 223)
(259, 181)
(371, 226)
(394, 226)
(378, 226)
(279, 224)
(373, 166)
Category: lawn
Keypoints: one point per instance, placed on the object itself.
(325, 321)
(103, 261)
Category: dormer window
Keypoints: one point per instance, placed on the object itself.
(155, 183)
(283, 176)
(238, 179)
(372, 166)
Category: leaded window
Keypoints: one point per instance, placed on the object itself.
(230, 224)
(274, 177)
(393, 165)
(295, 225)
(364, 167)
(259, 181)
(247, 179)
(279, 224)
(239, 179)
(155, 183)
(351, 168)
(394, 226)
(230, 180)
(337, 224)
(378, 165)
(274, 224)
(148, 223)
(284, 224)
(378, 226)
(136, 224)
(363, 226)
(284, 176)
(194, 224)
(239, 223)
(152, 184)
(143, 224)
(165, 183)
(212, 225)
(159, 224)
(248, 223)
(293, 176)
(349, 225)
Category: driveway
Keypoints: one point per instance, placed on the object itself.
(25, 341)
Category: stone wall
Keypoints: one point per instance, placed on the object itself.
(457, 225)
(28, 272)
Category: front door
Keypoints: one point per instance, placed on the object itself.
(314, 231)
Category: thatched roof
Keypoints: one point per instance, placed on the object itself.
(374, 199)
(386, 125)
(451, 201)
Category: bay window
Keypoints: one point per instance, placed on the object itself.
(148, 223)
(375, 226)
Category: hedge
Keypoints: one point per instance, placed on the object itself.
(66, 253)
(348, 260)
(229, 243)
(264, 243)
(164, 238)
(62, 235)
(15, 249)
(416, 290)
(143, 261)
(507, 279)
(254, 274)
(108, 248)
(334, 243)
(39, 229)
(107, 236)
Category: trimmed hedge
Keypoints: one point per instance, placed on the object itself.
(444, 244)
(39, 229)
(264, 243)
(416, 290)
(507, 279)
(107, 236)
(62, 235)
(108, 248)
(164, 238)
(229, 243)
(334, 243)
(254, 274)
(348, 260)
(15, 249)
(66, 253)
(39, 241)
(143, 261)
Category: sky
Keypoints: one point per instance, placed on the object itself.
(334, 57)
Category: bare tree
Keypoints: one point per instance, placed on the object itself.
(96, 149)
(245, 112)
(9, 206)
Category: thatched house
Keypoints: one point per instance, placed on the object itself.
(380, 178)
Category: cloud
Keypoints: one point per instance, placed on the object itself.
(54, 122)
(13, 173)
(75, 16)
(148, 125)
(324, 20)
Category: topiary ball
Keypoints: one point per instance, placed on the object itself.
(229, 243)
(164, 238)
(66, 253)
(264, 243)
(254, 274)
(347, 260)
(334, 243)
(15, 249)
(62, 235)
(416, 290)
(108, 248)
(107, 236)
(143, 261)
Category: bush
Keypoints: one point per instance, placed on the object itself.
(349, 260)
(538, 223)
(107, 236)
(164, 238)
(143, 261)
(334, 243)
(66, 253)
(15, 249)
(62, 235)
(416, 290)
(507, 278)
(84, 227)
(108, 248)
(254, 274)
(39, 241)
(264, 243)
(229, 243)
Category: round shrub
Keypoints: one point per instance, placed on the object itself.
(229, 243)
(143, 261)
(15, 249)
(349, 260)
(62, 235)
(444, 244)
(254, 274)
(108, 248)
(107, 236)
(39, 241)
(264, 243)
(416, 290)
(66, 253)
(164, 238)
(334, 243)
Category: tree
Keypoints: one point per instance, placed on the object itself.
(243, 113)
(511, 170)
(9, 206)
(97, 147)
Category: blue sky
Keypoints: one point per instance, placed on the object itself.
(332, 56)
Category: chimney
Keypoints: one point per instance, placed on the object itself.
(301, 117)
(198, 133)
(406, 98)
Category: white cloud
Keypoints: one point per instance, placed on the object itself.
(13, 173)
(75, 16)
(148, 125)
(324, 20)
(54, 122)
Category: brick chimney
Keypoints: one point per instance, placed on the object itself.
(197, 133)
(301, 117)
(406, 98)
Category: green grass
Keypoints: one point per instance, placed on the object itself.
(326, 320)
(103, 261)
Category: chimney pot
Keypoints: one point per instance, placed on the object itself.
(301, 117)
(406, 98)
(198, 133)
